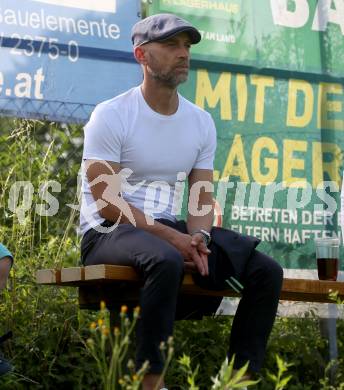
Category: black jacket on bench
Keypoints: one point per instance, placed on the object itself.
(230, 251)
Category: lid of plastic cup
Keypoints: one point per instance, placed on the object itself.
(326, 241)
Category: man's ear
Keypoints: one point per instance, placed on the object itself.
(140, 55)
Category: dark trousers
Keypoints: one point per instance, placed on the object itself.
(162, 267)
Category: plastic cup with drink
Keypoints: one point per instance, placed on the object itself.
(327, 253)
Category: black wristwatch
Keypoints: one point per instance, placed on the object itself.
(206, 235)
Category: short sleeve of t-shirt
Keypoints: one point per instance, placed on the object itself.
(206, 156)
(103, 142)
(4, 252)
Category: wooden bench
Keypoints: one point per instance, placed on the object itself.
(115, 285)
(118, 285)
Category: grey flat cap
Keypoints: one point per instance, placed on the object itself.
(160, 27)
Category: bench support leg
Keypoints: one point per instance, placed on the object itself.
(328, 329)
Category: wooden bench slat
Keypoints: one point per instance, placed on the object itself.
(72, 274)
(48, 276)
(110, 272)
(188, 281)
(310, 290)
(293, 289)
(312, 286)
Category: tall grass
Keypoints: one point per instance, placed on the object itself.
(32, 154)
(43, 319)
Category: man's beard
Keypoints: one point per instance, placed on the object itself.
(170, 78)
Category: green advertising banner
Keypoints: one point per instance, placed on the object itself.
(298, 35)
(279, 159)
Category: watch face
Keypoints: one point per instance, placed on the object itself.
(206, 236)
(205, 233)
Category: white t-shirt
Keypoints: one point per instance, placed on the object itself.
(158, 152)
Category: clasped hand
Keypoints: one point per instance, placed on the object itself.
(194, 250)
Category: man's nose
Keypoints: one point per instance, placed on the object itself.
(183, 52)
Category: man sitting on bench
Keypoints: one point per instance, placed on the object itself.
(139, 148)
(6, 260)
